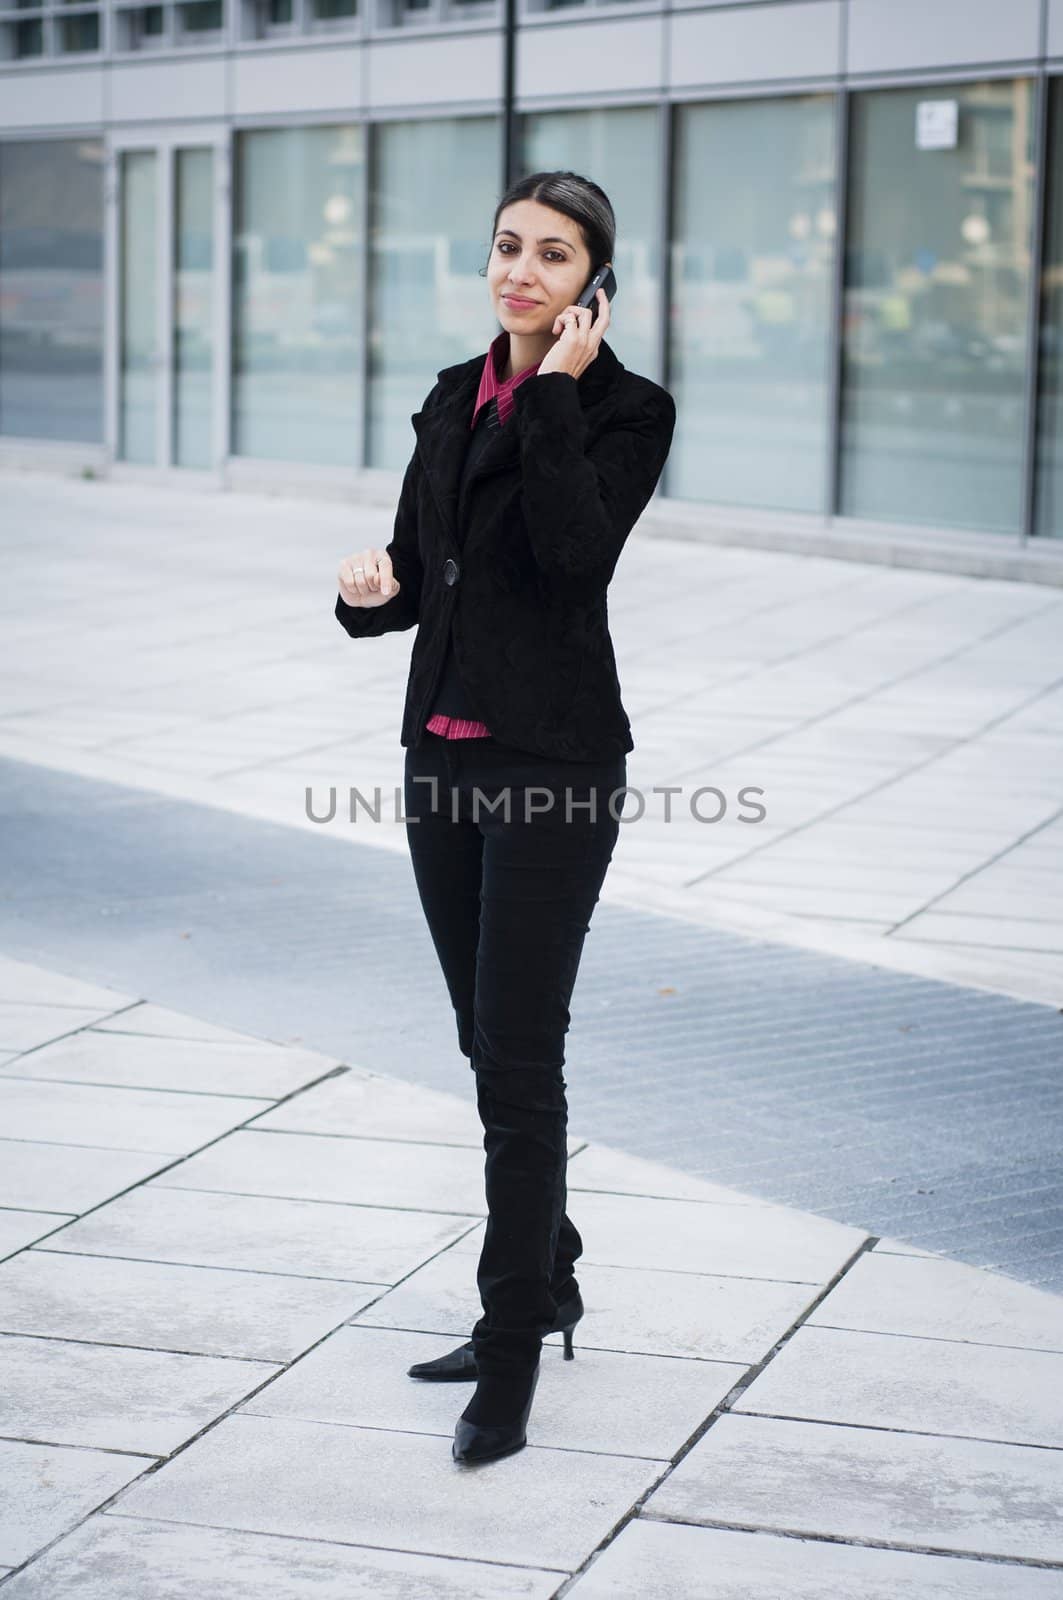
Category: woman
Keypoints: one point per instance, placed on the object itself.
(531, 466)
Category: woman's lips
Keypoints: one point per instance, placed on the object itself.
(518, 304)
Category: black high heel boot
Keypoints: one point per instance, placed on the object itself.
(502, 1407)
(459, 1365)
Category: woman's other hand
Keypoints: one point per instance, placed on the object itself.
(580, 337)
(367, 579)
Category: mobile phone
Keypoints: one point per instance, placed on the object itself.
(605, 279)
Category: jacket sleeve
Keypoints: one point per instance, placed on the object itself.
(403, 609)
(580, 505)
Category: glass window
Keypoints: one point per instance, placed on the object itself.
(618, 150)
(434, 191)
(51, 289)
(752, 266)
(139, 353)
(1049, 501)
(297, 294)
(193, 311)
(937, 277)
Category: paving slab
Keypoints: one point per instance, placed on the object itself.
(540, 1507)
(934, 1298)
(367, 1105)
(111, 1397)
(121, 1119)
(259, 1316)
(383, 1172)
(860, 1483)
(258, 1233)
(203, 1066)
(47, 1489)
(68, 1178)
(615, 1404)
(25, 982)
(762, 1241)
(684, 1315)
(118, 1557)
(24, 1025)
(882, 1380)
(615, 1172)
(672, 1561)
(163, 1022)
(18, 1229)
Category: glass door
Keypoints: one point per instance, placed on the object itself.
(169, 306)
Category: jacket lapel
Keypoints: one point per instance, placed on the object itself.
(443, 432)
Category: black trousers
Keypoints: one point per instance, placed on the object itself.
(508, 899)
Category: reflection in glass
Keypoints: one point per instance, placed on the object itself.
(297, 294)
(752, 267)
(618, 150)
(434, 190)
(51, 289)
(1049, 482)
(193, 308)
(138, 354)
(937, 276)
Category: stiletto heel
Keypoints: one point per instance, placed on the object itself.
(459, 1366)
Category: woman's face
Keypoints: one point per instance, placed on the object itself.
(537, 256)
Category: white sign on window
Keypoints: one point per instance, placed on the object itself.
(936, 124)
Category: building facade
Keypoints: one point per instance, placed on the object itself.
(239, 237)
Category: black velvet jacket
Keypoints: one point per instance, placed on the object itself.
(547, 509)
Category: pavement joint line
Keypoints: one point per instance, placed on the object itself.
(345, 1544)
(475, 1217)
(85, 1449)
(905, 772)
(993, 1559)
(167, 1165)
(126, 1344)
(199, 1266)
(722, 1407)
(435, 1433)
(918, 1433)
(137, 1088)
(600, 1349)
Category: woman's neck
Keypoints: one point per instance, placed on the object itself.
(525, 350)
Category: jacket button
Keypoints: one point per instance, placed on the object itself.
(450, 571)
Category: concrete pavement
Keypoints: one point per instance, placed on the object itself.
(221, 1254)
(218, 1254)
(904, 726)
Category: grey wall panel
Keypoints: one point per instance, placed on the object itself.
(296, 80)
(160, 91)
(434, 72)
(1055, 27)
(50, 99)
(889, 34)
(575, 57)
(795, 39)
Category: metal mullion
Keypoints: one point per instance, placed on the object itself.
(836, 344)
(223, 298)
(362, 420)
(666, 183)
(164, 312)
(1031, 396)
(665, 226)
(112, 325)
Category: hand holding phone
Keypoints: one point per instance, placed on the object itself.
(605, 279)
(580, 329)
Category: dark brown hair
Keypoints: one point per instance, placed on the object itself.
(575, 197)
